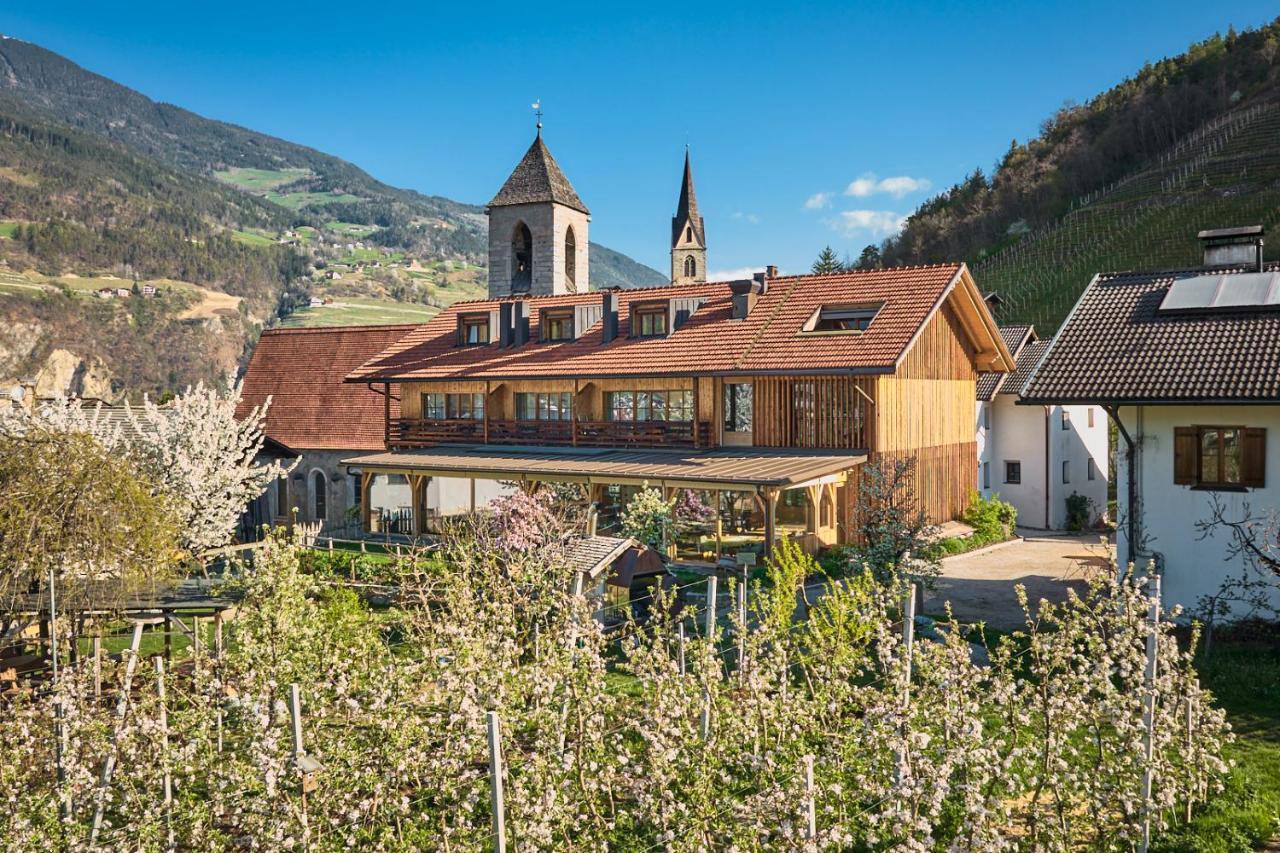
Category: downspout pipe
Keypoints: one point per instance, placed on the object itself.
(1131, 487)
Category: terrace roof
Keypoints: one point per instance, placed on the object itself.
(732, 469)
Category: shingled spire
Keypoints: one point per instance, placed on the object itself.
(537, 230)
(688, 239)
(538, 178)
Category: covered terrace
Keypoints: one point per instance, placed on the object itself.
(764, 473)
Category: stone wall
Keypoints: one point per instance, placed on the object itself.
(548, 224)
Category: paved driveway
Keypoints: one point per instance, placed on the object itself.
(980, 586)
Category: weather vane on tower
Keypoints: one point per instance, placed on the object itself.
(537, 110)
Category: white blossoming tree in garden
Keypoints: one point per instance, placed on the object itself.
(204, 458)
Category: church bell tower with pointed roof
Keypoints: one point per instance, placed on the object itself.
(537, 230)
(688, 238)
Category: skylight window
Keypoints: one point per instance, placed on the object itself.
(842, 318)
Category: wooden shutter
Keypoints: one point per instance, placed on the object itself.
(1254, 464)
(1185, 447)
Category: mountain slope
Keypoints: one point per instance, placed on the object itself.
(1124, 181)
(317, 188)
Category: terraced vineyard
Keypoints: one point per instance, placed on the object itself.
(1225, 174)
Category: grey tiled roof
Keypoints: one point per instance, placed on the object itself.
(537, 178)
(1014, 337)
(1028, 358)
(590, 554)
(1116, 347)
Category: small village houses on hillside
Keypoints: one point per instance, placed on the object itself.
(1187, 364)
(776, 389)
(1036, 457)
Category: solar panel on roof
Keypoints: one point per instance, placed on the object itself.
(1237, 290)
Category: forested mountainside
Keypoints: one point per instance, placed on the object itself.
(143, 247)
(317, 188)
(1121, 182)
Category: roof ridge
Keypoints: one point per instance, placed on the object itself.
(547, 296)
(304, 330)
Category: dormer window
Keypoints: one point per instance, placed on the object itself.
(842, 318)
(473, 329)
(557, 324)
(649, 321)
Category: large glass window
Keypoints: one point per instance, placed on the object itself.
(544, 406)
(737, 407)
(453, 406)
(676, 405)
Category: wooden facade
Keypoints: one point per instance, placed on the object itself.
(920, 407)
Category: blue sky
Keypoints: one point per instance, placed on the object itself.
(809, 123)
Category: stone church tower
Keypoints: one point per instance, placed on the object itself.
(688, 239)
(537, 230)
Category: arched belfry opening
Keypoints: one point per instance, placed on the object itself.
(690, 267)
(521, 259)
(570, 259)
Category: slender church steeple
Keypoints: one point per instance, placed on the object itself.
(688, 239)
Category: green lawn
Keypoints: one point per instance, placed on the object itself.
(259, 180)
(8, 228)
(1245, 678)
(250, 239)
(297, 201)
(360, 311)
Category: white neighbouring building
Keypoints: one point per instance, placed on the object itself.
(1187, 362)
(1037, 456)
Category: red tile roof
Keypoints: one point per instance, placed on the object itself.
(711, 341)
(302, 371)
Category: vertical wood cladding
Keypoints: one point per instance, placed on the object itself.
(929, 401)
(812, 411)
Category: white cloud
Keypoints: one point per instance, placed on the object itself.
(735, 274)
(746, 217)
(817, 201)
(897, 186)
(877, 223)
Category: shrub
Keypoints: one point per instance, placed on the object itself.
(1079, 512)
(992, 519)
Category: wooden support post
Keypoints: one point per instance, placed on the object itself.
(306, 766)
(770, 500)
(719, 523)
(810, 802)
(742, 624)
(709, 617)
(1149, 712)
(366, 512)
(901, 770)
(167, 780)
(59, 733)
(487, 392)
(680, 647)
(97, 667)
(122, 708)
(168, 639)
(496, 796)
(1192, 690)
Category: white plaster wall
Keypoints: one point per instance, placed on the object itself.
(1017, 434)
(1075, 446)
(1193, 567)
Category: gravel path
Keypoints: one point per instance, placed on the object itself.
(980, 586)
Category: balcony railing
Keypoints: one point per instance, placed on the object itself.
(419, 432)
(423, 432)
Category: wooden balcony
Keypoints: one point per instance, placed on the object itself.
(427, 432)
